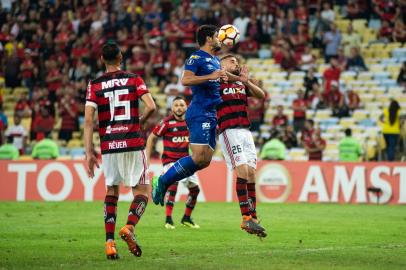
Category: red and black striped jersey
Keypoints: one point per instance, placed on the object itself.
(175, 135)
(116, 96)
(232, 112)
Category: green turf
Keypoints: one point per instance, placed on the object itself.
(70, 235)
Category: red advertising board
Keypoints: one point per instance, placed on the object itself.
(276, 182)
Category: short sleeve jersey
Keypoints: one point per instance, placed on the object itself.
(206, 96)
(116, 96)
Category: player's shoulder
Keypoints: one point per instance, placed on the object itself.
(168, 119)
(122, 74)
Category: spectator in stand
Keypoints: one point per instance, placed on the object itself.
(316, 99)
(254, 27)
(307, 131)
(23, 106)
(315, 146)
(327, 14)
(332, 41)
(256, 109)
(274, 149)
(308, 83)
(307, 59)
(68, 111)
(43, 124)
(386, 9)
(241, 22)
(299, 107)
(172, 90)
(352, 100)
(288, 63)
(391, 128)
(45, 149)
(353, 10)
(28, 70)
(399, 32)
(342, 60)
(385, 32)
(18, 133)
(402, 77)
(349, 148)
(8, 151)
(335, 100)
(350, 40)
(355, 62)
(301, 12)
(331, 74)
(53, 79)
(289, 137)
(248, 48)
(291, 24)
(280, 120)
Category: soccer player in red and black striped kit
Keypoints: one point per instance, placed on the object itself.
(175, 135)
(236, 140)
(115, 95)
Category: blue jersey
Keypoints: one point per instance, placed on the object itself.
(206, 96)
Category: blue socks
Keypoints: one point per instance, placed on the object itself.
(181, 169)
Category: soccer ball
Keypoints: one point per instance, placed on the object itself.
(229, 35)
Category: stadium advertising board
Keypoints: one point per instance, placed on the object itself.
(314, 182)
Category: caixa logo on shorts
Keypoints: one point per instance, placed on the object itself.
(206, 125)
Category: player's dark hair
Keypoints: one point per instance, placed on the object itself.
(110, 51)
(179, 98)
(311, 122)
(348, 132)
(205, 31)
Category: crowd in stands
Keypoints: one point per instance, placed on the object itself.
(52, 48)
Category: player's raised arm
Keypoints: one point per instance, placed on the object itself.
(189, 78)
(253, 87)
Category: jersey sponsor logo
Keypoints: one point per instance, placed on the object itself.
(232, 90)
(109, 129)
(180, 139)
(114, 82)
(172, 122)
(142, 87)
(117, 145)
(190, 62)
(206, 125)
(194, 57)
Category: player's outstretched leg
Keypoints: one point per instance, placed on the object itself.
(110, 215)
(169, 205)
(190, 205)
(181, 169)
(248, 224)
(137, 208)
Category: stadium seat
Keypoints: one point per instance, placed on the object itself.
(322, 114)
(74, 143)
(297, 154)
(365, 76)
(368, 122)
(347, 122)
(359, 115)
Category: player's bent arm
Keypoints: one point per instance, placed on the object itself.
(88, 129)
(149, 109)
(152, 138)
(189, 78)
(255, 90)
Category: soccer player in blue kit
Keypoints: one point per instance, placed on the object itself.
(203, 74)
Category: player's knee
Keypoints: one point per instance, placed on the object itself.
(251, 175)
(201, 161)
(112, 191)
(141, 190)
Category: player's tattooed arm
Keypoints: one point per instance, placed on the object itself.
(189, 78)
(149, 109)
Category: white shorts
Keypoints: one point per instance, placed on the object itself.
(238, 148)
(189, 182)
(128, 168)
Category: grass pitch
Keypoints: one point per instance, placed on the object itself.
(70, 235)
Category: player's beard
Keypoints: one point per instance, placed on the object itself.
(236, 71)
(179, 115)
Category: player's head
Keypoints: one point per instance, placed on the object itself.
(179, 106)
(309, 124)
(348, 132)
(207, 35)
(111, 54)
(230, 63)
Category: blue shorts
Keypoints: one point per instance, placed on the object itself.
(202, 130)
